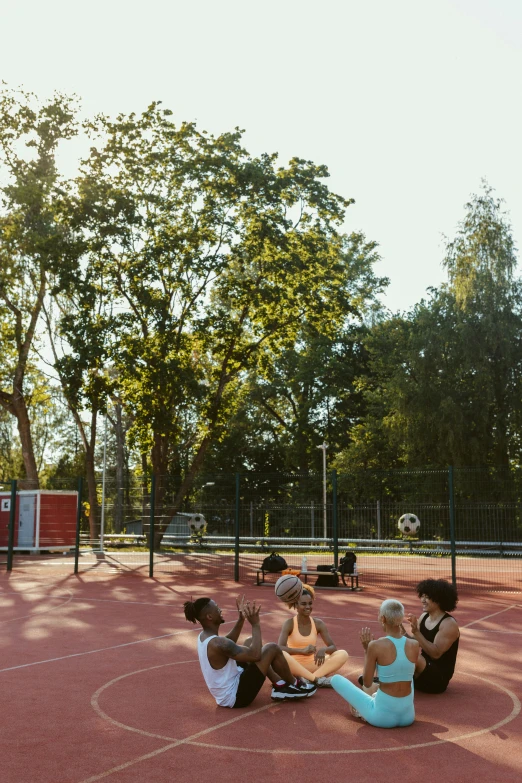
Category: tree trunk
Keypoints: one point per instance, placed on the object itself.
(169, 511)
(15, 402)
(160, 453)
(24, 430)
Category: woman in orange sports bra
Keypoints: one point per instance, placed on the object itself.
(298, 640)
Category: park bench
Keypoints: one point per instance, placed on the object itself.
(349, 581)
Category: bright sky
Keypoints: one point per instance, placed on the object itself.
(408, 103)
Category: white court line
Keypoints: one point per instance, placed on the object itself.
(87, 600)
(174, 745)
(513, 714)
(114, 647)
(192, 739)
(118, 601)
(491, 630)
(39, 614)
(103, 715)
(481, 619)
(101, 649)
(30, 589)
(189, 630)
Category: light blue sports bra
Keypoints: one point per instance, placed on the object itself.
(401, 670)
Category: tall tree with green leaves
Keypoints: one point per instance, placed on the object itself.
(78, 319)
(213, 260)
(444, 386)
(307, 393)
(32, 239)
(481, 262)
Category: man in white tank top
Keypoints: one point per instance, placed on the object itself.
(237, 686)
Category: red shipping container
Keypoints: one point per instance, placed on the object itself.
(44, 519)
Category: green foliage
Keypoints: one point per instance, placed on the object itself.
(444, 384)
(481, 259)
(212, 296)
(292, 400)
(211, 260)
(33, 241)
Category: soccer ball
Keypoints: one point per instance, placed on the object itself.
(186, 524)
(409, 524)
(197, 523)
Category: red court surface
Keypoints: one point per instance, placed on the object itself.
(100, 681)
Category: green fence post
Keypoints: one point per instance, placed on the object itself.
(78, 521)
(335, 530)
(10, 535)
(452, 525)
(236, 533)
(151, 523)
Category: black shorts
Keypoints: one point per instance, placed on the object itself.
(250, 683)
(431, 680)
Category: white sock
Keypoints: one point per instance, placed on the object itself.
(280, 682)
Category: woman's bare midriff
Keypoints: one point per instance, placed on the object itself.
(397, 689)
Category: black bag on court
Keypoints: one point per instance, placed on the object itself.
(274, 563)
(346, 563)
(328, 579)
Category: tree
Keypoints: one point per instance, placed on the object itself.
(78, 329)
(481, 261)
(6, 446)
(306, 393)
(212, 259)
(32, 239)
(444, 386)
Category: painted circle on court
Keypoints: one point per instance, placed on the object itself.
(195, 738)
(37, 602)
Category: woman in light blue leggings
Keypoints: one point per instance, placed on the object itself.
(393, 657)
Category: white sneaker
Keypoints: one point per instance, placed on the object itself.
(324, 682)
(297, 691)
(357, 714)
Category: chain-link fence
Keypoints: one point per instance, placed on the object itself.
(404, 525)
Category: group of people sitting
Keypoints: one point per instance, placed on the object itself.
(394, 664)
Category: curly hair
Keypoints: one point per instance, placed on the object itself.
(440, 591)
(307, 590)
(193, 609)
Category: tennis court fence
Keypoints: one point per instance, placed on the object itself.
(462, 524)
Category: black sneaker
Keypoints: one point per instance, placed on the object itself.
(298, 691)
(305, 685)
(360, 680)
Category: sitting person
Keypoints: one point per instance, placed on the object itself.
(298, 641)
(237, 686)
(438, 635)
(394, 657)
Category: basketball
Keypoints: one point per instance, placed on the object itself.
(288, 588)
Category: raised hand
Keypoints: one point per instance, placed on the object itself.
(251, 613)
(366, 637)
(240, 603)
(414, 622)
